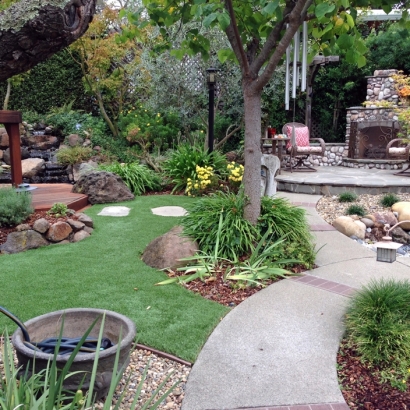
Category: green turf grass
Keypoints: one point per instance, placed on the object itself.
(102, 272)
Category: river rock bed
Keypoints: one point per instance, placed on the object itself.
(329, 208)
(159, 368)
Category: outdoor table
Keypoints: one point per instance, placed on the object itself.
(277, 147)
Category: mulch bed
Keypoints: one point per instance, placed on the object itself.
(361, 386)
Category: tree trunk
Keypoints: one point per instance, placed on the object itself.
(33, 30)
(252, 175)
(7, 97)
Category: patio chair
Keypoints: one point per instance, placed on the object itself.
(299, 147)
(399, 148)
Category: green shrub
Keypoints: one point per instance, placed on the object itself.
(389, 200)
(183, 162)
(14, 207)
(347, 197)
(236, 233)
(73, 155)
(238, 236)
(378, 321)
(356, 210)
(137, 177)
(288, 222)
(58, 209)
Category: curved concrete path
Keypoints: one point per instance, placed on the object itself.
(277, 350)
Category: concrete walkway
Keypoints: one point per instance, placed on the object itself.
(277, 349)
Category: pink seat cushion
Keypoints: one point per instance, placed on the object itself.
(301, 136)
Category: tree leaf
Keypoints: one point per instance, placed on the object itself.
(208, 20)
(361, 61)
(225, 54)
(270, 8)
(322, 9)
(224, 20)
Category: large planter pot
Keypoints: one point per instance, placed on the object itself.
(76, 323)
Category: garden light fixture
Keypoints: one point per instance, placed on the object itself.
(211, 115)
(386, 249)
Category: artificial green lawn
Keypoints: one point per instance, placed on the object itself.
(105, 271)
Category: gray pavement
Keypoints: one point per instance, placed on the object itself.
(278, 348)
(335, 180)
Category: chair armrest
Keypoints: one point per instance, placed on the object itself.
(398, 140)
(322, 143)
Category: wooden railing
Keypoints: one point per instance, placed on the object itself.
(11, 121)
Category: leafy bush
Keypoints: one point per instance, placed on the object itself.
(347, 197)
(236, 235)
(73, 155)
(183, 162)
(288, 222)
(356, 210)
(389, 200)
(378, 321)
(137, 177)
(58, 209)
(14, 207)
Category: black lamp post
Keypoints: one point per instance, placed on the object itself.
(211, 115)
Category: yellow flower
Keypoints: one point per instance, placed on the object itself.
(158, 115)
(148, 125)
(196, 186)
(201, 132)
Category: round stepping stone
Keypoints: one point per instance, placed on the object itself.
(169, 211)
(115, 211)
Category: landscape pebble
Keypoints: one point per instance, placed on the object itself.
(329, 208)
(159, 368)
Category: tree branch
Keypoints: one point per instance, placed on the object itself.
(33, 30)
(235, 39)
(296, 17)
(229, 134)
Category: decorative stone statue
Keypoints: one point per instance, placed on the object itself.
(270, 165)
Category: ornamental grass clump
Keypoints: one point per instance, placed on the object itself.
(378, 325)
(236, 233)
(347, 197)
(288, 222)
(389, 200)
(138, 178)
(355, 209)
(15, 207)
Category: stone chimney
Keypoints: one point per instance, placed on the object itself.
(380, 87)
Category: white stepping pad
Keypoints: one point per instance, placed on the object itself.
(115, 211)
(169, 211)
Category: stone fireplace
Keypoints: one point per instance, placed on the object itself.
(369, 129)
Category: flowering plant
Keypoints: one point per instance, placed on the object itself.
(203, 180)
(235, 172)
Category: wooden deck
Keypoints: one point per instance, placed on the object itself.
(48, 194)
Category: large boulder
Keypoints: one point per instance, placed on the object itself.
(24, 152)
(22, 241)
(350, 227)
(41, 142)
(167, 250)
(58, 231)
(380, 219)
(400, 236)
(30, 167)
(403, 209)
(4, 139)
(103, 187)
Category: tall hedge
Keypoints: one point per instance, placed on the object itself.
(53, 83)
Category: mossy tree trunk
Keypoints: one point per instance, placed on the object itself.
(33, 30)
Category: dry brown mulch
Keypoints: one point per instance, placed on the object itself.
(361, 385)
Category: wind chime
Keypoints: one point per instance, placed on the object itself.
(296, 56)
